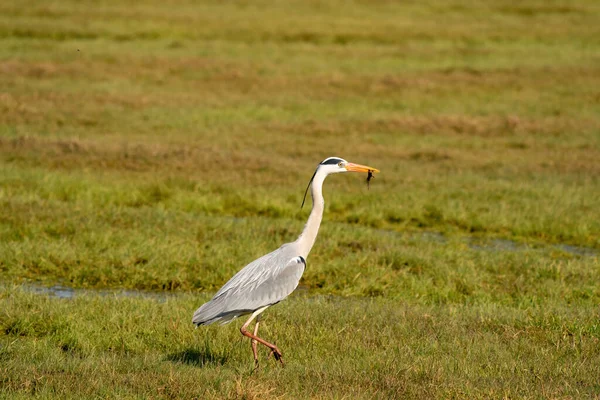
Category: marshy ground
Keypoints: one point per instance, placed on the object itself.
(159, 147)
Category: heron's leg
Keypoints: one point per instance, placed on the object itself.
(274, 349)
(255, 343)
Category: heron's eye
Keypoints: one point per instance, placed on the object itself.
(341, 164)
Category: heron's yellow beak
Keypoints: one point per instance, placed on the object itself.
(360, 168)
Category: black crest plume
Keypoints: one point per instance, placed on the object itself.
(306, 191)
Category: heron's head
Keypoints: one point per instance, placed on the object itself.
(335, 165)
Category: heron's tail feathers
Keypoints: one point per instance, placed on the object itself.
(212, 312)
(205, 315)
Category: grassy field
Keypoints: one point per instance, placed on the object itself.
(160, 146)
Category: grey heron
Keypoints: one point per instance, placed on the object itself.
(271, 278)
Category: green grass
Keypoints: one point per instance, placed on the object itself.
(345, 347)
(162, 147)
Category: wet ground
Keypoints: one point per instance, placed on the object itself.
(65, 292)
(474, 243)
(486, 244)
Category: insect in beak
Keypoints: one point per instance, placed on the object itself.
(369, 177)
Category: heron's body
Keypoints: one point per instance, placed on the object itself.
(261, 283)
(274, 276)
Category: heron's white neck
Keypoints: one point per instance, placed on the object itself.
(307, 238)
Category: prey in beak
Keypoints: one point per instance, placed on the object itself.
(362, 168)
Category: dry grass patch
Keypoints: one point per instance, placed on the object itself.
(513, 126)
(76, 154)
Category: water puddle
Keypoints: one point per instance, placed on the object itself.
(578, 250)
(65, 292)
(501, 245)
(495, 245)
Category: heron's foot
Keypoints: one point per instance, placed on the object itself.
(256, 365)
(277, 355)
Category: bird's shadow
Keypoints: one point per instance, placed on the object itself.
(198, 358)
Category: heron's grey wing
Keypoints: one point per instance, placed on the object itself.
(264, 282)
(258, 270)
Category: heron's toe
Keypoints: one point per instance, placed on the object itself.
(277, 355)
